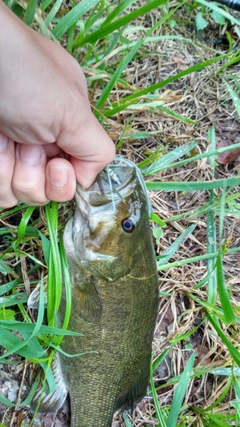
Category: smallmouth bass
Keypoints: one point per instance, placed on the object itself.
(114, 281)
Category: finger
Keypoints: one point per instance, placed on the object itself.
(90, 148)
(29, 174)
(52, 150)
(7, 160)
(60, 180)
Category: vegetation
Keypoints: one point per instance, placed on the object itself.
(167, 94)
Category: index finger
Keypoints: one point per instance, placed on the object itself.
(90, 147)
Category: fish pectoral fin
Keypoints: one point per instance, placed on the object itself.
(50, 402)
(88, 303)
(110, 270)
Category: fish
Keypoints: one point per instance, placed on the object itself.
(114, 281)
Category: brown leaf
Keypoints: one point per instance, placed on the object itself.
(227, 156)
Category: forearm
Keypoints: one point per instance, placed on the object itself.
(14, 41)
(23, 64)
(11, 28)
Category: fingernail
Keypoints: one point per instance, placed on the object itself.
(30, 154)
(3, 143)
(58, 176)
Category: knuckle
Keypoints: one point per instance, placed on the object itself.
(30, 194)
(26, 187)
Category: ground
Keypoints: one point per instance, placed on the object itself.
(202, 97)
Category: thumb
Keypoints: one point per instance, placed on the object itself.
(89, 146)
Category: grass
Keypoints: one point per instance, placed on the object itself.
(157, 89)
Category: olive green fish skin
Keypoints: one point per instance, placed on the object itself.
(114, 304)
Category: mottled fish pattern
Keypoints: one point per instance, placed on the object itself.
(114, 282)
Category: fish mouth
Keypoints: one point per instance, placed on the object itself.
(114, 182)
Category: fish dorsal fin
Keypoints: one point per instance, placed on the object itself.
(50, 402)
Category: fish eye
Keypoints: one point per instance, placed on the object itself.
(128, 225)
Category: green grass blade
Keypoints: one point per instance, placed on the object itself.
(211, 248)
(223, 292)
(125, 61)
(104, 30)
(216, 8)
(211, 227)
(6, 269)
(191, 185)
(106, 91)
(174, 115)
(12, 300)
(67, 285)
(5, 213)
(72, 17)
(184, 336)
(24, 229)
(23, 224)
(45, 246)
(30, 12)
(174, 247)
(223, 394)
(154, 217)
(126, 420)
(226, 371)
(203, 156)
(30, 327)
(53, 12)
(169, 158)
(55, 268)
(18, 252)
(130, 99)
(6, 402)
(236, 81)
(237, 388)
(30, 350)
(84, 27)
(29, 398)
(235, 98)
(24, 343)
(8, 286)
(118, 9)
(180, 392)
(194, 259)
(160, 358)
(159, 411)
(45, 4)
(232, 350)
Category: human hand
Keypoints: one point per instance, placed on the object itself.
(44, 109)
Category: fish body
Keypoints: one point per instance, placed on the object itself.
(114, 282)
